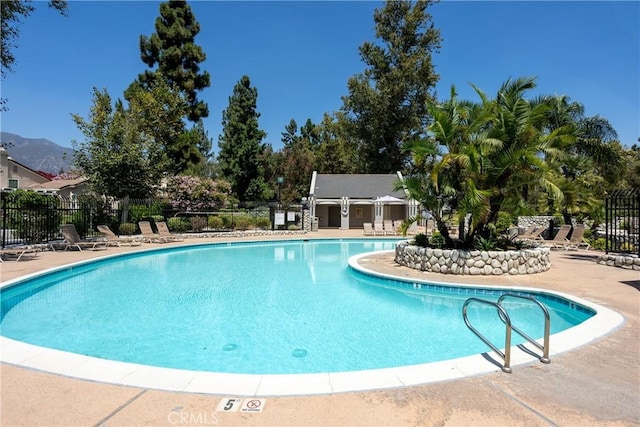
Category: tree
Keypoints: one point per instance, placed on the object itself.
(483, 157)
(177, 58)
(11, 12)
(172, 48)
(121, 155)
(241, 144)
(590, 167)
(386, 105)
(297, 160)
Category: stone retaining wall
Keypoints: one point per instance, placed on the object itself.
(472, 262)
(631, 262)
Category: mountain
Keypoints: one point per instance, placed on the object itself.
(38, 154)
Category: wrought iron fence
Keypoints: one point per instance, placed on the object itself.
(622, 221)
(29, 217)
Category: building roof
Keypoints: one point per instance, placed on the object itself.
(354, 186)
(58, 184)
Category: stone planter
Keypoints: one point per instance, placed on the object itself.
(473, 262)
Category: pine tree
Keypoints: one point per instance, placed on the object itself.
(386, 105)
(176, 58)
(241, 147)
(173, 50)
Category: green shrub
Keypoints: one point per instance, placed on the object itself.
(178, 225)
(599, 244)
(215, 222)
(39, 217)
(198, 223)
(437, 241)
(226, 221)
(243, 222)
(627, 247)
(157, 218)
(263, 222)
(482, 244)
(139, 211)
(127, 229)
(421, 239)
(504, 222)
(293, 227)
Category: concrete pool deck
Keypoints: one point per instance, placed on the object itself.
(596, 384)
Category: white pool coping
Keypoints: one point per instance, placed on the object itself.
(129, 374)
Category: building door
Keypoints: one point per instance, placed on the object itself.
(334, 216)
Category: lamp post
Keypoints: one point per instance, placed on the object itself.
(280, 181)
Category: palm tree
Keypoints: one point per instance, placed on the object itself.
(485, 156)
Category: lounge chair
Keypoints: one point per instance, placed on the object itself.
(17, 252)
(73, 241)
(576, 241)
(389, 229)
(532, 234)
(149, 236)
(113, 239)
(378, 228)
(163, 230)
(368, 229)
(560, 239)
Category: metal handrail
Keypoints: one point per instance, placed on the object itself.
(547, 324)
(506, 356)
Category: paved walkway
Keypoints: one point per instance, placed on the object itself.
(597, 384)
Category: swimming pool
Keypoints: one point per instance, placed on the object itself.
(209, 308)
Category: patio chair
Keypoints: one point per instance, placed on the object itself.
(149, 236)
(113, 239)
(532, 234)
(72, 240)
(163, 230)
(559, 240)
(378, 228)
(576, 241)
(368, 229)
(389, 229)
(17, 252)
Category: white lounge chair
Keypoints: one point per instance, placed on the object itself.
(114, 240)
(560, 239)
(378, 228)
(368, 229)
(18, 252)
(163, 230)
(576, 241)
(149, 236)
(73, 241)
(389, 229)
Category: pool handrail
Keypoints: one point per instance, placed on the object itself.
(506, 356)
(547, 325)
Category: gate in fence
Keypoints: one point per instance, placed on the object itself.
(622, 220)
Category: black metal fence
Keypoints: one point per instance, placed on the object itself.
(622, 220)
(29, 217)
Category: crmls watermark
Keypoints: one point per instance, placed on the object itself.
(179, 417)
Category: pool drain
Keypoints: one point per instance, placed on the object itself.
(229, 347)
(299, 352)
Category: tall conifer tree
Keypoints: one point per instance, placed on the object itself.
(176, 57)
(241, 147)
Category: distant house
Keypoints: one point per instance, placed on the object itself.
(349, 200)
(14, 175)
(67, 188)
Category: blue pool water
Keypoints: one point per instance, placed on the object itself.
(259, 308)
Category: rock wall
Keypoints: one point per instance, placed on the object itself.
(631, 262)
(472, 262)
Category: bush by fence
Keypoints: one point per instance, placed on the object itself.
(29, 217)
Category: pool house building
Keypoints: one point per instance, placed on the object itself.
(347, 201)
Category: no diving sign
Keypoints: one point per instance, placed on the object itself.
(234, 404)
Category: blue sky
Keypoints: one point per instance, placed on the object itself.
(299, 55)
